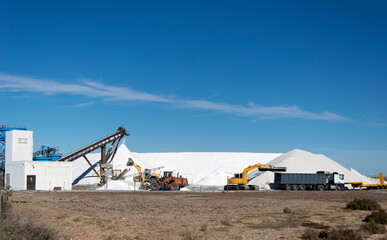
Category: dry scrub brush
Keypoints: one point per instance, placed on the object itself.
(363, 204)
(14, 227)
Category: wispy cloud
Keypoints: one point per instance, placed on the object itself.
(260, 111)
(84, 87)
(92, 89)
(81, 105)
(377, 124)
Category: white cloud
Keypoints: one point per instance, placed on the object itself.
(94, 89)
(81, 105)
(260, 111)
(378, 124)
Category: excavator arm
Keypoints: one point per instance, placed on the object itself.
(262, 167)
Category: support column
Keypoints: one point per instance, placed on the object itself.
(103, 162)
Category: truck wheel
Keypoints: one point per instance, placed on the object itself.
(288, 187)
(302, 187)
(295, 187)
(155, 186)
(320, 187)
(253, 187)
(338, 187)
(174, 186)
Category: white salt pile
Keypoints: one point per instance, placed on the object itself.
(210, 169)
(116, 185)
(198, 168)
(204, 168)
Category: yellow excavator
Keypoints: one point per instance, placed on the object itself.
(240, 182)
(144, 177)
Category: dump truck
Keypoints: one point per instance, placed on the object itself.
(320, 181)
(240, 182)
(360, 185)
(168, 182)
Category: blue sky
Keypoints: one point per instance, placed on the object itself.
(248, 76)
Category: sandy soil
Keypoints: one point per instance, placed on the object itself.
(185, 215)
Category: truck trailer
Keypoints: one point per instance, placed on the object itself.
(320, 181)
(361, 185)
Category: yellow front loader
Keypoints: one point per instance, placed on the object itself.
(240, 182)
(144, 177)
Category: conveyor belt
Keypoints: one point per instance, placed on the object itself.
(121, 132)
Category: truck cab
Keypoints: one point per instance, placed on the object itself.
(338, 178)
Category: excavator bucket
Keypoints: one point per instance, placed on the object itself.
(130, 162)
(273, 169)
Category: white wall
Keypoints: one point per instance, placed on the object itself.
(18, 146)
(50, 174)
(19, 164)
(18, 179)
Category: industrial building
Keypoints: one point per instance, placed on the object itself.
(21, 171)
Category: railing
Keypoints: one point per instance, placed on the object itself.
(4, 127)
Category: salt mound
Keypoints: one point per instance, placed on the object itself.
(115, 185)
(199, 168)
(264, 180)
(365, 178)
(205, 168)
(211, 169)
(218, 177)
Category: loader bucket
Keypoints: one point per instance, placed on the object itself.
(130, 162)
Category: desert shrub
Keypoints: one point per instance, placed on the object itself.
(14, 228)
(226, 222)
(377, 217)
(373, 228)
(315, 225)
(287, 210)
(310, 234)
(363, 204)
(203, 227)
(334, 234)
(4, 201)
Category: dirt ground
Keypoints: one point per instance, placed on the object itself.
(185, 215)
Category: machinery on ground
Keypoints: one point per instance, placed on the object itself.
(168, 182)
(107, 155)
(360, 185)
(310, 181)
(47, 154)
(240, 182)
(144, 177)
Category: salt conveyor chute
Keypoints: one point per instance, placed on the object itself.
(106, 156)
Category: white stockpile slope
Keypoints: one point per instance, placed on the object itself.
(211, 169)
(298, 161)
(201, 168)
(84, 175)
(205, 168)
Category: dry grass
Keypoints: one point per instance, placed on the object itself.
(14, 227)
(363, 204)
(334, 234)
(373, 228)
(379, 217)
